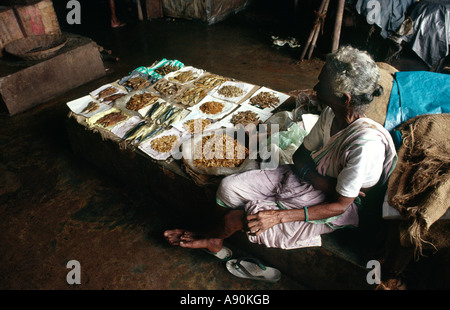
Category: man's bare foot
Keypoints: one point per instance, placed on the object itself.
(211, 244)
(189, 239)
(173, 236)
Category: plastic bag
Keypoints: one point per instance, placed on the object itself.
(283, 143)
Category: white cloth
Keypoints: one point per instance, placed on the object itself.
(364, 164)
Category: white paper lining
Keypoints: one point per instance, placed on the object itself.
(246, 88)
(78, 105)
(282, 97)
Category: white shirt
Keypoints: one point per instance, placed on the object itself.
(364, 163)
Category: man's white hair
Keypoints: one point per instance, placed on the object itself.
(352, 71)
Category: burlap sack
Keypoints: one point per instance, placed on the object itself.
(419, 186)
(378, 107)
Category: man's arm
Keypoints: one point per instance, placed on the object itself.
(263, 220)
(306, 169)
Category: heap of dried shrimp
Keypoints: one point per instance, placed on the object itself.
(164, 144)
(212, 107)
(219, 150)
(196, 125)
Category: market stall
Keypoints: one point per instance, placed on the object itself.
(167, 119)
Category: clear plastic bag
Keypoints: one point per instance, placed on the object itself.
(283, 143)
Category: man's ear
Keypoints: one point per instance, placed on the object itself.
(347, 98)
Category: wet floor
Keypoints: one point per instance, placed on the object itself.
(55, 207)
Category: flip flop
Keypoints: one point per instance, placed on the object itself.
(251, 268)
(224, 254)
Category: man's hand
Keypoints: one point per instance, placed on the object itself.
(263, 220)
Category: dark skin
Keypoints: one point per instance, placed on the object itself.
(336, 204)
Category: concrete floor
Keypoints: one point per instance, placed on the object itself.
(55, 207)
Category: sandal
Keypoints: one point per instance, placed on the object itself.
(224, 254)
(251, 268)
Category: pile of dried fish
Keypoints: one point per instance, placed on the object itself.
(212, 107)
(163, 144)
(196, 125)
(183, 77)
(245, 117)
(142, 131)
(137, 83)
(229, 152)
(210, 81)
(167, 68)
(230, 91)
(91, 107)
(113, 97)
(265, 100)
(108, 91)
(160, 116)
(111, 119)
(193, 95)
(139, 101)
(166, 88)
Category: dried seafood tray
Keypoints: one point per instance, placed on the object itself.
(108, 93)
(164, 145)
(166, 88)
(164, 67)
(234, 92)
(210, 80)
(218, 150)
(138, 102)
(213, 108)
(87, 106)
(244, 115)
(191, 95)
(267, 99)
(108, 119)
(136, 81)
(185, 75)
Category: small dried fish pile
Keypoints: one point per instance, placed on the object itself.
(111, 119)
(108, 91)
(265, 100)
(210, 81)
(166, 88)
(230, 152)
(91, 107)
(114, 97)
(139, 101)
(245, 118)
(137, 83)
(230, 91)
(212, 107)
(183, 77)
(167, 68)
(193, 95)
(196, 125)
(163, 144)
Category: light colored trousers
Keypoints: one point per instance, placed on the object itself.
(276, 189)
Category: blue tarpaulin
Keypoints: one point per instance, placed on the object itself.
(417, 93)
